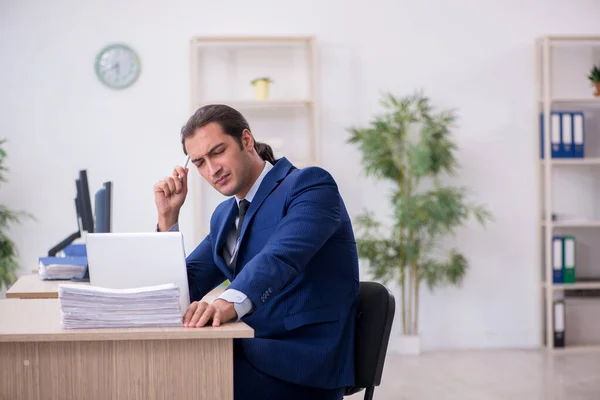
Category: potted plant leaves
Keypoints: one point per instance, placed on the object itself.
(594, 77)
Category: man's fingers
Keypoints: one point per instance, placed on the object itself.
(184, 177)
(216, 318)
(179, 172)
(162, 186)
(171, 182)
(190, 311)
(178, 185)
(206, 316)
(198, 313)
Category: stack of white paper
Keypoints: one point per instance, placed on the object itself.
(84, 306)
(62, 267)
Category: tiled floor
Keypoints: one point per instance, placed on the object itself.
(490, 375)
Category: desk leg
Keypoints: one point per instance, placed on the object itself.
(124, 369)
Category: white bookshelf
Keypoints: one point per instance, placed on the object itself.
(569, 187)
(221, 69)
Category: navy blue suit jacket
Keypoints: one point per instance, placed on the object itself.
(298, 264)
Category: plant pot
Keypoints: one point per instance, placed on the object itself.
(409, 345)
(597, 85)
(261, 90)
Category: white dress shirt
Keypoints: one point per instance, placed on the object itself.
(241, 302)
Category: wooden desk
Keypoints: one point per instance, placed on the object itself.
(33, 287)
(40, 360)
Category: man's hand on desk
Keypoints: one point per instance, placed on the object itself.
(199, 313)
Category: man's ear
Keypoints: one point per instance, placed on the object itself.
(247, 139)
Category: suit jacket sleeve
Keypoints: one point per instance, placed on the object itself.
(313, 215)
(203, 274)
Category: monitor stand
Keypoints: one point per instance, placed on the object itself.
(67, 241)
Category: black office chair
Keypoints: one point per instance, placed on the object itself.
(375, 315)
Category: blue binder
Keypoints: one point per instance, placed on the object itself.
(566, 135)
(557, 259)
(578, 135)
(73, 260)
(556, 143)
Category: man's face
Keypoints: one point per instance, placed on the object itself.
(220, 160)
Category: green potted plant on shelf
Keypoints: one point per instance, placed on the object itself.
(594, 77)
(261, 87)
(8, 250)
(410, 147)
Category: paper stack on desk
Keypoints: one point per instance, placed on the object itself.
(84, 306)
(62, 267)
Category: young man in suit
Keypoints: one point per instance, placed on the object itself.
(285, 241)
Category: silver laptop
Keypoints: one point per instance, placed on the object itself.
(131, 260)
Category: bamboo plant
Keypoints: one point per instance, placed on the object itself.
(8, 251)
(410, 146)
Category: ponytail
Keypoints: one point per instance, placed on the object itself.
(264, 151)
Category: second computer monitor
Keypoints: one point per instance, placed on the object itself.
(103, 208)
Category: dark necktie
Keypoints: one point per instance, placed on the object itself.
(243, 207)
(244, 204)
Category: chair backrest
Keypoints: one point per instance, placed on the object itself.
(376, 311)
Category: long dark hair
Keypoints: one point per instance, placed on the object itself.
(231, 121)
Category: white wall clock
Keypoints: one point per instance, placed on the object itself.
(117, 66)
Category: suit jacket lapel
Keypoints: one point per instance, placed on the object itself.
(222, 235)
(270, 182)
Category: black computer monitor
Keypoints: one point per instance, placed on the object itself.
(103, 208)
(83, 193)
(83, 212)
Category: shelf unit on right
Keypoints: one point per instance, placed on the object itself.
(569, 189)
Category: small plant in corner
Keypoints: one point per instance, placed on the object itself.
(594, 77)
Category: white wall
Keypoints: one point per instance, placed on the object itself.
(472, 55)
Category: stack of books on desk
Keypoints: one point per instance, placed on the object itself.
(84, 306)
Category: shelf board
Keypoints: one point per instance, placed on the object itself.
(574, 100)
(576, 348)
(569, 38)
(573, 161)
(262, 104)
(574, 224)
(252, 39)
(585, 285)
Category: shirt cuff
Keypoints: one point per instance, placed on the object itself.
(174, 228)
(241, 302)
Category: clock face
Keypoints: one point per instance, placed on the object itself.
(117, 66)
